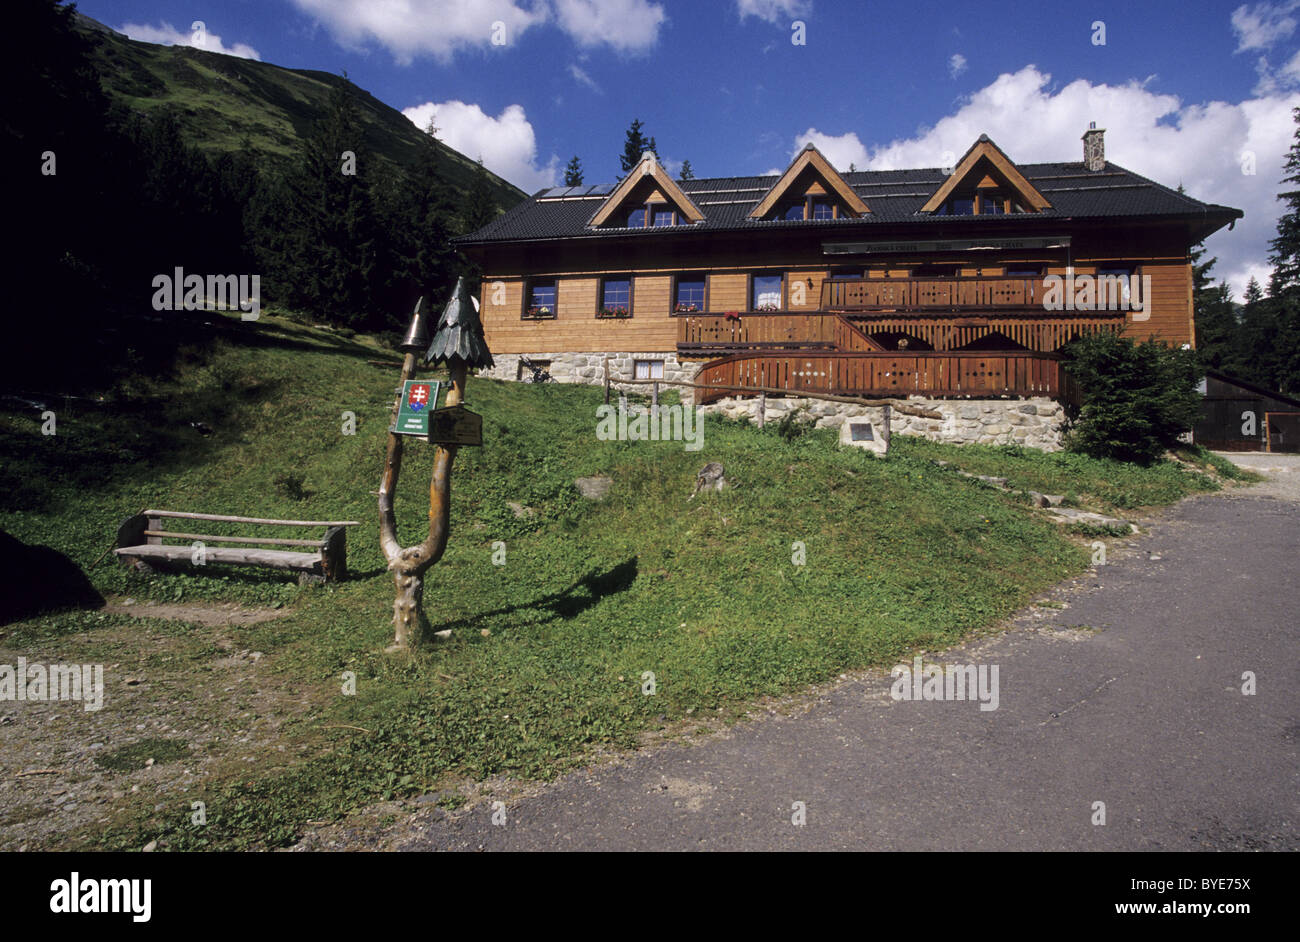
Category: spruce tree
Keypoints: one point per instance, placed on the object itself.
(479, 207)
(687, 173)
(327, 265)
(573, 172)
(1285, 257)
(634, 146)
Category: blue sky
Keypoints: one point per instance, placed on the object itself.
(1198, 93)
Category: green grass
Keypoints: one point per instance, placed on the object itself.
(547, 653)
(1103, 485)
(221, 101)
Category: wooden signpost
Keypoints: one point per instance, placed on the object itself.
(458, 342)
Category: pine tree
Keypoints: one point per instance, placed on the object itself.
(1285, 257)
(1214, 313)
(328, 262)
(635, 145)
(687, 173)
(573, 172)
(479, 208)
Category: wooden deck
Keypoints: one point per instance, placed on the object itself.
(719, 333)
(888, 373)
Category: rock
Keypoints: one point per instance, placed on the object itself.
(594, 488)
(1029, 409)
(710, 476)
(150, 847)
(519, 510)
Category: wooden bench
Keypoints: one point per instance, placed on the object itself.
(140, 542)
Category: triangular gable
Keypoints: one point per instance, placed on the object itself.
(985, 150)
(810, 158)
(647, 168)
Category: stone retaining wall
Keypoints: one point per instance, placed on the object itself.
(1034, 423)
(589, 368)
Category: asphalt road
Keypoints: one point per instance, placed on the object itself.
(1130, 695)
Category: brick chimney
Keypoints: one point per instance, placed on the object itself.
(1094, 147)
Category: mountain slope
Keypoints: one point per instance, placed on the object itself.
(221, 100)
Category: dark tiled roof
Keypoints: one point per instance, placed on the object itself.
(893, 196)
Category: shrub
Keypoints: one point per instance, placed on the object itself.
(1135, 398)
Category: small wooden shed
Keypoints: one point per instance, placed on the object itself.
(1240, 416)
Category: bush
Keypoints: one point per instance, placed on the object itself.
(1135, 398)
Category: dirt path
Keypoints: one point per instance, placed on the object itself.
(182, 699)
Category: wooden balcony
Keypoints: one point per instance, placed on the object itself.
(719, 333)
(935, 294)
(886, 373)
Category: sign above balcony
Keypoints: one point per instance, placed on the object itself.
(949, 245)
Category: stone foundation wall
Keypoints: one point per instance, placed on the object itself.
(589, 368)
(1034, 423)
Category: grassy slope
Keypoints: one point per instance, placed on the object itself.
(219, 100)
(901, 554)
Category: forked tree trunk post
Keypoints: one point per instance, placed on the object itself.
(409, 564)
(459, 343)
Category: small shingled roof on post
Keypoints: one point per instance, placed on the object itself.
(460, 332)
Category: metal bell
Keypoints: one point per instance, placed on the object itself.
(417, 334)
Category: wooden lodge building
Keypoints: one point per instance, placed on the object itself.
(958, 286)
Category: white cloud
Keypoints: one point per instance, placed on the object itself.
(409, 28)
(956, 64)
(167, 35)
(626, 25)
(581, 76)
(440, 28)
(506, 143)
(1201, 146)
(773, 11)
(1261, 25)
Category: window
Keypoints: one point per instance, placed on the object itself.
(1024, 271)
(636, 218)
(1114, 282)
(846, 274)
(661, 214)
(766, 293)
(991, 203)
(615, 297)
(541, 298)
(690, 294)
(648, 369)
(822, 209)
(792, 212)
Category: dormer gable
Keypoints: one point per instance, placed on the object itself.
(985, 182)
(647, 197)
(810, 188)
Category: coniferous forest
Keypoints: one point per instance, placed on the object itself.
(106, 197)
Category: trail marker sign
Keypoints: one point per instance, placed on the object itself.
(456, 425)
(419, 396)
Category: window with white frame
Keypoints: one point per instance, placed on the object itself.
(648, 369)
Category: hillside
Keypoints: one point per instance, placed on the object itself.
(220, 100)
(227, 680)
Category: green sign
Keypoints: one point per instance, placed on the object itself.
(419, 396)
